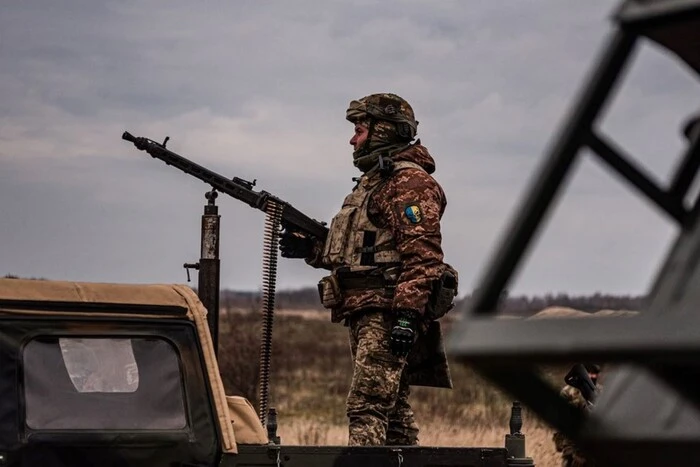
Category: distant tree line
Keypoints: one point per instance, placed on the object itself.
(523, 305)
(306, 298)
(15, 276)
(518, 305)
(300, 299)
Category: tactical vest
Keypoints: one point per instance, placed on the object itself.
(354, 243)
(363, 256)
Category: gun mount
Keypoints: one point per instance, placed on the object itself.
(649, 412)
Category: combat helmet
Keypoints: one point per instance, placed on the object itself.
(386, 107)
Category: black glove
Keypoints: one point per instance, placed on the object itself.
(403, 334)
(295, 245)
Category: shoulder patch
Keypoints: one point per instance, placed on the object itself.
(413, 213)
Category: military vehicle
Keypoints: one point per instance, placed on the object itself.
(648, 412)
(96, 374)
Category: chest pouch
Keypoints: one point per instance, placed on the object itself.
(338, 244)
(329, 291)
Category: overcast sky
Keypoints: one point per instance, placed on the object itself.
(258, 90)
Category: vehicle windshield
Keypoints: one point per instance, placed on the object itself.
(102, 383)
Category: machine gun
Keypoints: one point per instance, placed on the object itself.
(242, 190)
(278, 213)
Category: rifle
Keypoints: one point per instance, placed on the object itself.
(578, 378)
(292, 219)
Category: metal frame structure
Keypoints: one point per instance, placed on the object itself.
(665, 340)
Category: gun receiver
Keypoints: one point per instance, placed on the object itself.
(242, 190)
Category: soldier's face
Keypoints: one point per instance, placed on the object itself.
(594, 377)
(359, 137)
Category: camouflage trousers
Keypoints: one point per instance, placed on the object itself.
(377, 406)
(576, 460)
(571, 456)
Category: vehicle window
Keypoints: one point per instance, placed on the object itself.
(102, 384)
(100, 365)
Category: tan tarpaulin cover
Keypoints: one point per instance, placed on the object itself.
(151, 294)
(246, 423)
(93, 292)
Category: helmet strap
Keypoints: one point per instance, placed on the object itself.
(370, 130)
(386, 165)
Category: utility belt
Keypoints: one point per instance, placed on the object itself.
(331, 288)
(366, 282)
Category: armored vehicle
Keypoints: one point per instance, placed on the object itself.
(111, 375)
(648, 412)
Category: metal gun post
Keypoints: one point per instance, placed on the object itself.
(515, 440)
(210, 265)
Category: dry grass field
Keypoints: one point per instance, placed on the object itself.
(310, 376)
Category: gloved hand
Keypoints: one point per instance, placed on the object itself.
(295, 245)
(403, 334)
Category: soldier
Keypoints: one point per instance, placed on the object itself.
(570, 454)
(388, 281)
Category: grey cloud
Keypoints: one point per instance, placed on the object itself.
(259, 89)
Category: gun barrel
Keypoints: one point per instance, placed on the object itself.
(236, 187)
(128, 136)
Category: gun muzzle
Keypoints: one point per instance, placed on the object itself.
(129, 137)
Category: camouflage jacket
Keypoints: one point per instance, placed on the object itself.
(574, 397)
(571, 455)
(405, 209)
